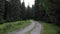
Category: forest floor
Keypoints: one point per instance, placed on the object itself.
(35, 28)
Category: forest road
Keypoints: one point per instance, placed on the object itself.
(37, 29)
(34, 24)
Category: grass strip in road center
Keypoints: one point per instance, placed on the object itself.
(31, 30)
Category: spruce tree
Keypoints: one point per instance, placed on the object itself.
(2, 10)
(15, 9)
(23, 10)
(33, 11)
(28, 12)
(38, 10)
(7, 13)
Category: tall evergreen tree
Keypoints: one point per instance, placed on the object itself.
(2, 10)
(39, 11)
(15, 9)
(23, 10)
(33, 11)
(28, 12)
(7, 13)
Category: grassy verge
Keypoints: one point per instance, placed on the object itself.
(50, 28)
(8, 27)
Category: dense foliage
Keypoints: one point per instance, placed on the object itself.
(10, 10)
(2, 10)
(45, 10)
(48, 10)
(13, 10)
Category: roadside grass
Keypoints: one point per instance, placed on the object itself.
(49, 28)
(9, 27)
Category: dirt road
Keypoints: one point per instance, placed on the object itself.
(34, 24)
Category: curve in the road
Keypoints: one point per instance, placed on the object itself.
(28, 28)
(37, 29)
(36, 25)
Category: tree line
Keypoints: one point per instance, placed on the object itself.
(43, 10)
(48, 11)
(13, 10)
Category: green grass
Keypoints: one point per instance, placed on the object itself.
(49, 28)
(9, 27)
